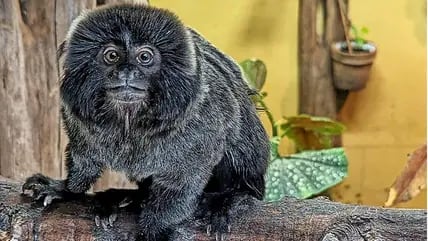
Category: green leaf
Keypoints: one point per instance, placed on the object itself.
(359, 43)
(310, 132)
(364, 30)
(305, 174)
(255, 72)
(359, 36)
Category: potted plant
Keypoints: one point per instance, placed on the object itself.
(352, 60)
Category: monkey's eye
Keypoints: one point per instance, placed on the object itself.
(111, 56)
(145, 56)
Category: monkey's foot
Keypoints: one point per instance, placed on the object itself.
(108, 203)
(40, 187)
(105, 216)
(219, 225)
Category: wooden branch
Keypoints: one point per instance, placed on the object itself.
(316, 219)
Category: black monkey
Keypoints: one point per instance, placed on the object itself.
(145, 95)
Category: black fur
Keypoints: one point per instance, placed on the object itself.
(194, 130)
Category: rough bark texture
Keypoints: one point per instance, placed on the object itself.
(28, 97)
(316, 219)
(32, 139)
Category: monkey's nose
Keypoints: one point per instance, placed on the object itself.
(128, 76)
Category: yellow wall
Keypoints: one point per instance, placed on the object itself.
(385, 121)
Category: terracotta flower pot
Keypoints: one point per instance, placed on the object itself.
(351, 71)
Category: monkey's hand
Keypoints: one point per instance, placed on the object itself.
(43, 188)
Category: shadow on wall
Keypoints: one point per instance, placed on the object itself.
(262, 22)
(350, 113)
(417, 14)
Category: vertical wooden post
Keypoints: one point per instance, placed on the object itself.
(29, 97)
(317, 95)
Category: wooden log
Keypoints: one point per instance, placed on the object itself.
(291, 219)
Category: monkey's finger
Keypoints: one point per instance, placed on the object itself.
(223, 237)
(38, 193)
(217, 237)
(229, 228)
(209, 229)
(29, 186)
(112, 218)
(25, 187)
(104, 224)
(97, 220)
(48, 200)
(28, 192)
(125, 202)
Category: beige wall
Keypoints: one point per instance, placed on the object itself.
(387, 120)
(384, 122)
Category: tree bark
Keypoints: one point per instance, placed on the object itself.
(29, 101)
(291, 219)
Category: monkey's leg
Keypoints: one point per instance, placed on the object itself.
(79, 179)
(108, 203)
(218, 210)
(170, 203)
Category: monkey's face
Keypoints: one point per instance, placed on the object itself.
(129, 58)
(129, 72)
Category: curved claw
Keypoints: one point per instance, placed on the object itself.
(105, 223)
(97, 220)
(125, 202)
(40, 187)
(219, 226)
(112, 218)
(105, 216)
(209, 229)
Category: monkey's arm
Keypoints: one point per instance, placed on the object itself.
(183, 172)
(83, 171)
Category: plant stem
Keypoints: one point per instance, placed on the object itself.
(270, 117)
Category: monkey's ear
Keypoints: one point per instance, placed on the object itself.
(61, 49)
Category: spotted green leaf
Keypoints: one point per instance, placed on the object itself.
(305, 174)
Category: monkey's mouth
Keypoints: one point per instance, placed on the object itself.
(127, 94)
